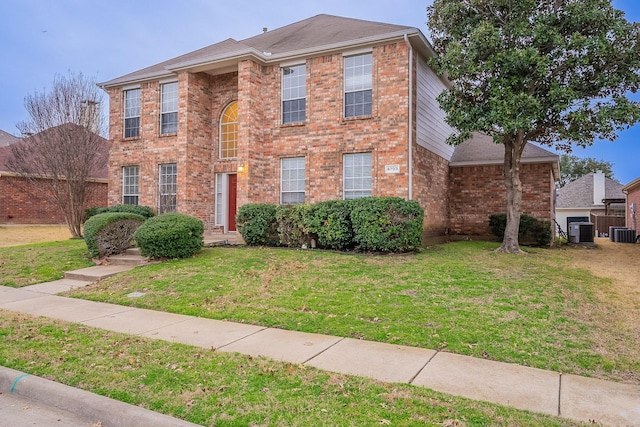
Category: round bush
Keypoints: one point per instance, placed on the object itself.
(331, 222)
(144, 211)
(257, 224)
(110, 233)
(171, 235)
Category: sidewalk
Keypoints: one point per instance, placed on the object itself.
(570, 396)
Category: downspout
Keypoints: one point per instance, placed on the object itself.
(406, 40)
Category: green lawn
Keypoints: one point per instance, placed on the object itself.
(461, 297)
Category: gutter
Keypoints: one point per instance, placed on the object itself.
(410, 125)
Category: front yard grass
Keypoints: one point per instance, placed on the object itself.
(223, 389)
(460, 297)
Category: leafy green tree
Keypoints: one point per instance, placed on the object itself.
(574, 167)
(552, 71)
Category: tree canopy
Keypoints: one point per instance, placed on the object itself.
(557, 72)
(574, 167)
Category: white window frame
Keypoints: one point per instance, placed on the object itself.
(168, 108)
(221, 199)
(357, 175)
(167, 187)
(131, 112)
(358, 82)
(292, 180)
(130, 184)
(294, 90)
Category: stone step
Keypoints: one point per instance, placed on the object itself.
(133, 251)
(221, 239)
(91, 274)
(127, 259)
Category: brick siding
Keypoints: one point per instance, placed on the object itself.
(19, 206)
(478, 191)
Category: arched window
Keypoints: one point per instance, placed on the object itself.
(229, 132)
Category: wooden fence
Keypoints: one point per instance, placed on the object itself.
(601, 223)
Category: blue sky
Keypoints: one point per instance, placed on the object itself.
(109, 38)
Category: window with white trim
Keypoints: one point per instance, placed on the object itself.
(169, 108)
(294, 94)
(356, 175)
(130, 180)
(167, 181)
(358, 85)
(132, 113)
(292, 181)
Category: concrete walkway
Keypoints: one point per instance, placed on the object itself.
(579, 398)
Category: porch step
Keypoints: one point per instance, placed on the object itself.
(128, 259)
(222, 239)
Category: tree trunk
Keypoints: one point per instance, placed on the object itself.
(511, 171)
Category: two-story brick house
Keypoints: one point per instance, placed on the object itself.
(325, 108)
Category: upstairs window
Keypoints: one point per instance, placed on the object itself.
(132, 113)
(294, 93)
(130, 178)
(357, 175)
(358, 85)
(229, 132)
(292, 181)
(169, 108)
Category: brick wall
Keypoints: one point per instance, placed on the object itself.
(633, 196)
(263, 141)
(19, 204)
(478, 191)
(431, 190)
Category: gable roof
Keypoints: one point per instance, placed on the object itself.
(7, 139)
(579, 193)
(481, 150)
(317, 35)
(5, 152)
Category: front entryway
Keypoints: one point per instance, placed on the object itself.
(226, 201)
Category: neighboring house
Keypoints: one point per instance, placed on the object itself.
(325, 108)
(592, 196)
(632, 191)
(20, 203)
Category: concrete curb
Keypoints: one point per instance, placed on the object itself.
(111, 413)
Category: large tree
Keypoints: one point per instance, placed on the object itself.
(574, 167)
(62, 149)
(556, 72)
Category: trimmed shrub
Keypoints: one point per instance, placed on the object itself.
(171, 235)
(330, 221)
(292, 223)
(257, 224)
(110, 233)
(144, 211)
(386, 224)
(531, 231)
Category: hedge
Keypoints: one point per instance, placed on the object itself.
(531, 230)
(376, 224)
(111, 233)
(256, 222)
(386, 224)
(171, 235)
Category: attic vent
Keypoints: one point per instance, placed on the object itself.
(265, 29)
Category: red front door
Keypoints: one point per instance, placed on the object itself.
(232, 192)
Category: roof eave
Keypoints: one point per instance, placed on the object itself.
(630, 186)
